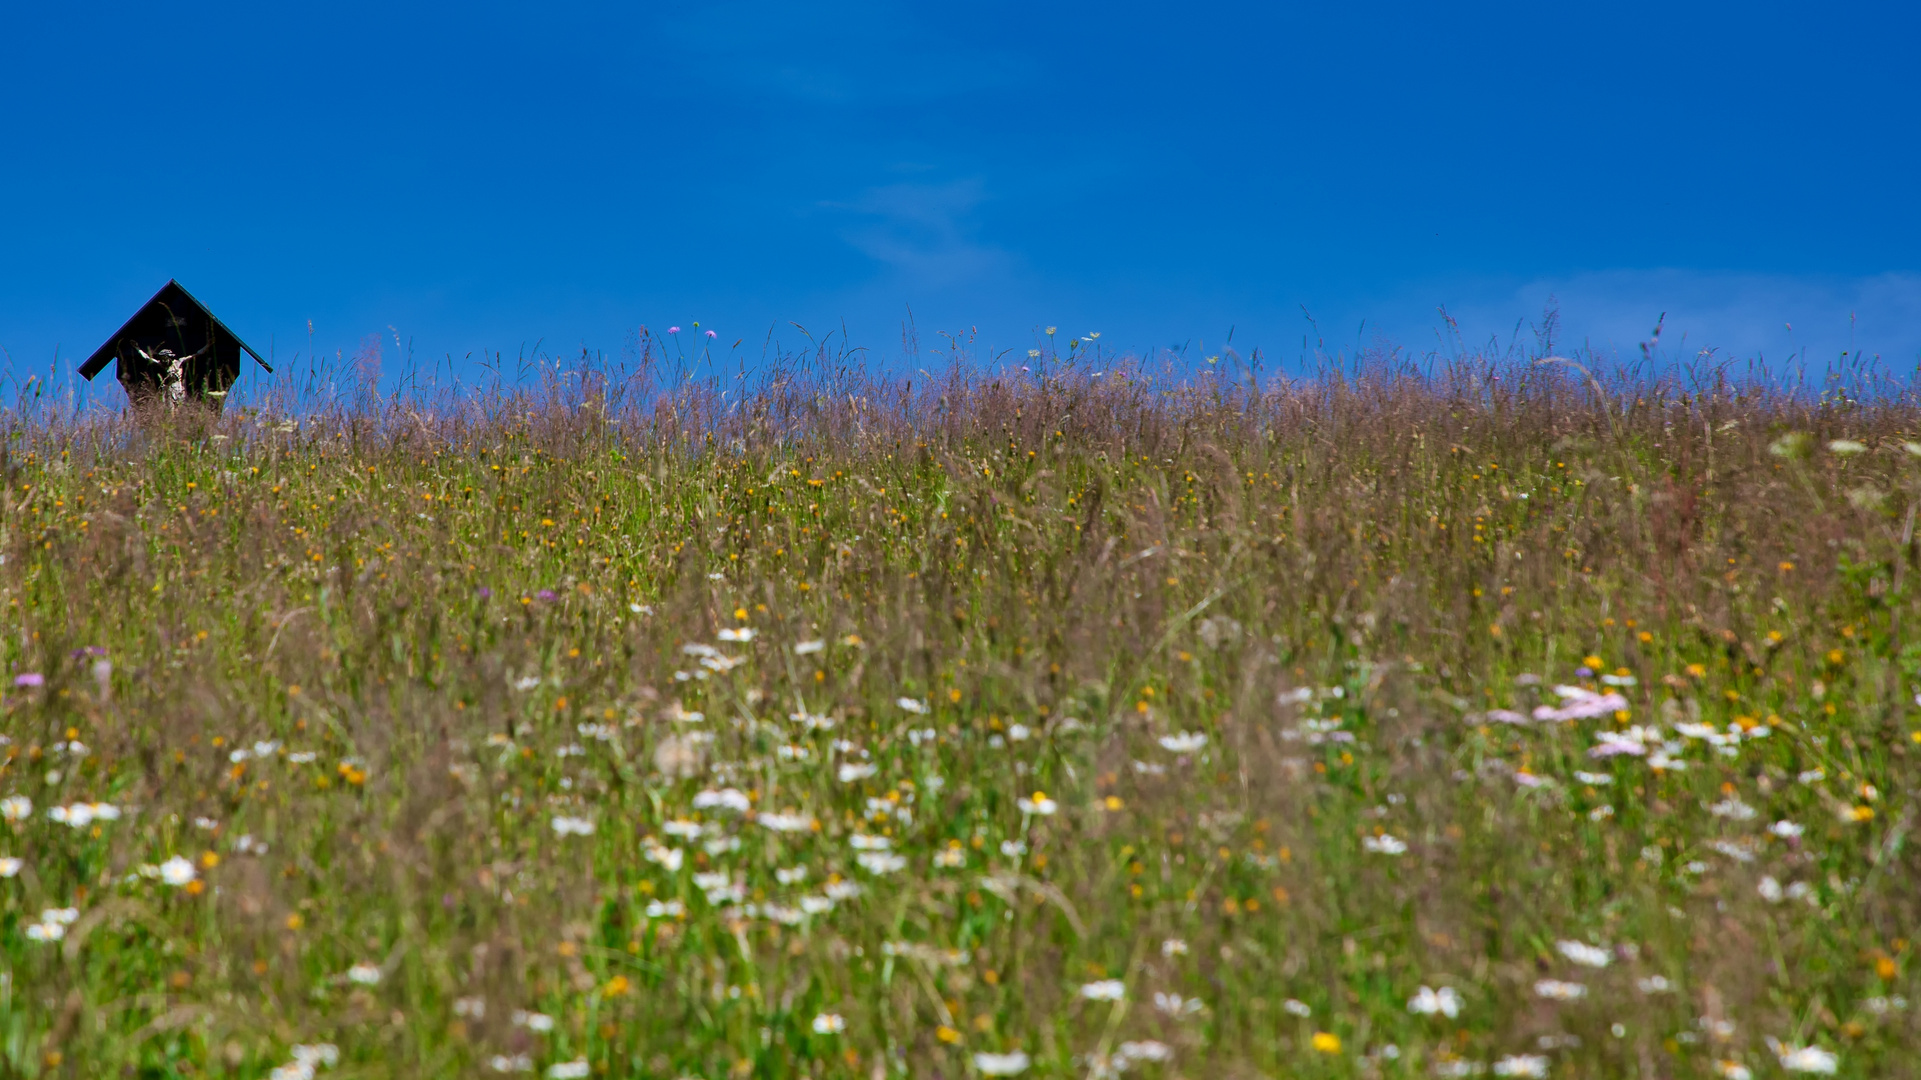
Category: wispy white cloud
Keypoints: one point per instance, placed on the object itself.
(922, 232)
(1779, 317)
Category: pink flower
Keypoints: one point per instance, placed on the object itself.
(710, 333)
(31, 678)
(673, 329)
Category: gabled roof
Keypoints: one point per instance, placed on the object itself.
(171, 296)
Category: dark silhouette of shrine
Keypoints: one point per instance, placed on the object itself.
(173, 349)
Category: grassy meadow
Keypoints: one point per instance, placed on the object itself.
(1361, 726)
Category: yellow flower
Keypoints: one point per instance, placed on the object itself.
(1327, 1042)
(615, 987)
(947, 1034)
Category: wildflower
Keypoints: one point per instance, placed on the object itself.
(472, 1008)
(1427, 1002)
(1019, 732)
(1786, 830)
(850, 772)
(29, 678)
(81, 815)
(1733, 1070)
(177, 872)
(808, 648)
(503, 1063)
(815, 905)
(53, 924)
(1296, 1007)
(745, 633)
(573, 826)
(1556, 990)
(1144, 1050)
(1039, 804)
(1584, 954)
(1770, 890)
(1104, 990)
(1581, 705)
(786, 822)
(880, 862)
(1002, 1064)
(1326, 1042)
(719, 887)
(829, 1024)
(9, 866)
(1653, 984)
(16, 807)
(1186, 742)
(1738, 850)
(1384, 845)
(918, 708)
(1176, 1005)
(539, 1023)
(1807, 1059)
(569, 1070)
(1733, 809)
(1660, 760)
(788, 876)
(1173, 947)
(1846, 448)
(842, 890)
(1530, 1065)
(1634, 741)
(364, 974)
(527, 683)
(724, 799)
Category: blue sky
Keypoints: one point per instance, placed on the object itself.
(484, 177)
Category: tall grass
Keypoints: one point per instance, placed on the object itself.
(826, 725)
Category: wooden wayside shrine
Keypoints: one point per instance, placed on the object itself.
(173, 349)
